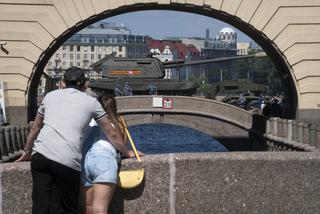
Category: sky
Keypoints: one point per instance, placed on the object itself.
(160, 24)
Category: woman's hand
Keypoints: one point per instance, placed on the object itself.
(132, 155)
(140, 153)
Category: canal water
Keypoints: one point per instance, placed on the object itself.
(167, 138)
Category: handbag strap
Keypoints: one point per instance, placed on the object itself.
(130, 139)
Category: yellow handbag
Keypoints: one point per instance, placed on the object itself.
(130, 178)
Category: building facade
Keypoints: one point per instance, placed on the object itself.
(94, 43)
(171, 50)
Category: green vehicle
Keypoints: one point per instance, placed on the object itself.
(140, 74)
(143, 74)
(230, 91)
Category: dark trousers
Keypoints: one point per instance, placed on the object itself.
(49, 176)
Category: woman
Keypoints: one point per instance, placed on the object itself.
(100, 162)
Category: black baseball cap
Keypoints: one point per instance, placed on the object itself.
(74, 74)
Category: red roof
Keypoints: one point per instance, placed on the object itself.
(174, 45)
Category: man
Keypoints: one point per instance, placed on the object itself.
(55, 142)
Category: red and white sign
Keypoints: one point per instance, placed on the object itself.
(167, 103)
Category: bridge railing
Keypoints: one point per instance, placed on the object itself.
(284, 134)
(12, 141)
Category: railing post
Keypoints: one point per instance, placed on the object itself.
(280, 128)
(306, 133)
(289, 129)
(23, 136)
(313, 135)
(317, 137)
(285, 128)
(268, 127)
(295, 130)
(14, 139)
(300, 132)
(18, 137)
(3, 153)
(8, 141)
(275, 126)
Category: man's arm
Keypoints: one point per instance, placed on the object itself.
(114, 136)
(34, 131)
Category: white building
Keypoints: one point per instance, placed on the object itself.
(94, 43)
(243, 48)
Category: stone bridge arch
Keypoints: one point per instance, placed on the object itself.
(228, 124)
(288, 30)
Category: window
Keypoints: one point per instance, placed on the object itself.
(92, 48)
(78, 64)
(50, 63)
(120, 48)
(85, 56)
(78, 48)
(71, 56)
(99, 56)
(78, 56)
(64, 63)
(71, 64)
(57, 56)
(63, 47)
(92, 56)
(64, 56)
(71, 48)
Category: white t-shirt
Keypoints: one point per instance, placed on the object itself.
(66, 113)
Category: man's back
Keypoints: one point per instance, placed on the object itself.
(66, 113)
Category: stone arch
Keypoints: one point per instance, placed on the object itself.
(228, 124)
(289, 36)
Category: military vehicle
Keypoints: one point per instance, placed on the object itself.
(140, 74)
(230, 90)
(145, 74)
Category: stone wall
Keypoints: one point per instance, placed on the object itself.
(263, 182)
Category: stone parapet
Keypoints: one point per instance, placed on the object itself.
(285, 135)
(12, 141)
(264, 182)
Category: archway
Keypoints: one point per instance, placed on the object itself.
(290, 90)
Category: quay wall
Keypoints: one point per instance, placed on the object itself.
(237, 182)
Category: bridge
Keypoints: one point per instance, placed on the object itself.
(226, 123)
(288, 31)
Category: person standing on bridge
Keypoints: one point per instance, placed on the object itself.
(55, 141)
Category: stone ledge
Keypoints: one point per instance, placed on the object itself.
(239, 182)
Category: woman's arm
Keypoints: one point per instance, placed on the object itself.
(115, 137)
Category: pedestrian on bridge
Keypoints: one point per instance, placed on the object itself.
(55, 141)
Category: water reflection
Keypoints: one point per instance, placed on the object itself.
(167, 138)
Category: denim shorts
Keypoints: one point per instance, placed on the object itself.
(100, 165)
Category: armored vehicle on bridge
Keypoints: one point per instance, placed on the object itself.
(143, 74)
(140, 74)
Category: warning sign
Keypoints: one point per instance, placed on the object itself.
(167, 103)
